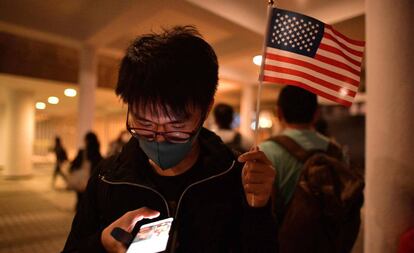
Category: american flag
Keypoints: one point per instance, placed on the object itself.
(305, 52)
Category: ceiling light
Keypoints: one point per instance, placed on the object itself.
(257, 60)
(40, 106)
(53, 100)
(70, 92)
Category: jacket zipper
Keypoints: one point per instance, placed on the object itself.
(141, 186)
(199, 182)
(175, 234)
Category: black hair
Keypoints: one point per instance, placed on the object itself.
(297, 105)
(58, 142)
(223, 115)
(92, 146)
(176, 69)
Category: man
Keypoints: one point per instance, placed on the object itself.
(318, 196)
(173, 167)
(297, 113)
(223, 117)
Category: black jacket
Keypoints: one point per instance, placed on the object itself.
(212, 213)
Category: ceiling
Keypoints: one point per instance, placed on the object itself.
(235, 29)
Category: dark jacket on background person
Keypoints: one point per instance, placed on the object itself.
(93, 156)
(212, 214)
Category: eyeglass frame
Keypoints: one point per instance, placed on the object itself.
(163, 134)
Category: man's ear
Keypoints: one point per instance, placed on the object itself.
(279, 114)
(316, 116)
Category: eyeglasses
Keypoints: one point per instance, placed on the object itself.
(151, 135)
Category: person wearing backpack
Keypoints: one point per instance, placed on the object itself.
(317, 197)
(223, 117)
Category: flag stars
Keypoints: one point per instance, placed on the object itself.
(308, 49)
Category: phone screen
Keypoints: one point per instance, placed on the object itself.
(152, 237)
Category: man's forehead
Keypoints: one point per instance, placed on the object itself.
(160, 113)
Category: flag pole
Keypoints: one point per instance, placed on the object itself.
(259, 90)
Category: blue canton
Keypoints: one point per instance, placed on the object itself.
(295, 32)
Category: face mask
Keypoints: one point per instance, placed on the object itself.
(166, 154)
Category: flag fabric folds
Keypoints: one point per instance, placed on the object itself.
(305, 52)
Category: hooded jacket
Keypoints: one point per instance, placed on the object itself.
(212, 214)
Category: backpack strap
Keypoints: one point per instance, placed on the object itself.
(334, 150)
(291, 147)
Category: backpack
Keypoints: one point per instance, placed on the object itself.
(323, 215)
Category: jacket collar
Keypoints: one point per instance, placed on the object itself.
(132, 165)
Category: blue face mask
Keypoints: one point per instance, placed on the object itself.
(166, 154)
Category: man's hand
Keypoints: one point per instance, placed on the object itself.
(127, 223)
(258, 176)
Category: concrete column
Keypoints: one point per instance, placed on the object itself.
(247, 107)
(19, 123)
(389, 203)
(2, 132)
(88, 78)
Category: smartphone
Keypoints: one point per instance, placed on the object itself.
(152, 237)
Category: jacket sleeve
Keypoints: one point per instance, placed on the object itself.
(85, 234)
(258, 230)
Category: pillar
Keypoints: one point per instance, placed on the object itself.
(247, 107)
(19, 124)
(389, 202)
(88, 77)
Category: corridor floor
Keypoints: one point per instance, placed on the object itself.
(34, 217)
